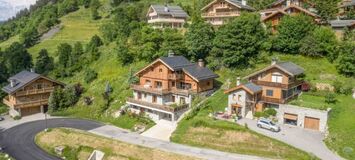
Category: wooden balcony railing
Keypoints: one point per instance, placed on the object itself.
(220, 14)
(175, 76)
(149, 90)
(157, 106)
(26, 104)
(277, 85)
(35, 91)
(272, 100)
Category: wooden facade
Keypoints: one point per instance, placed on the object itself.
(219, 12)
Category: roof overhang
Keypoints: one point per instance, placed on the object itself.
(268, 68)
(240, 87)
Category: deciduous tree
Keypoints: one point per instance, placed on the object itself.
(44, 63)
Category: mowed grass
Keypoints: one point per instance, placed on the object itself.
(203, 131)
(7, 43)
(75, 27)
(80, 144)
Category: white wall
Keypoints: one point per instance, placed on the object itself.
(241, 102)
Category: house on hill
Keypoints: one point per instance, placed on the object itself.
(28, 93)
(339, 26)
(219, 12)
(166, 16)
(273, 87)
(167, 85)
(346, 6)
(279, 8)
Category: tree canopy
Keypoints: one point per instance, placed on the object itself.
(44, 63)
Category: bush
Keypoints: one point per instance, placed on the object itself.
(258, 114)
(330, 98)
(17, 117)
(90, 75)
(270, 112)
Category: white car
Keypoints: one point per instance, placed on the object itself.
(268, 124)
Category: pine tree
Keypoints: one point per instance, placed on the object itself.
(44, 63)
(17, 58)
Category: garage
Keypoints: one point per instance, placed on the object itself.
(290, 119)
(30, 111)
(311, 123)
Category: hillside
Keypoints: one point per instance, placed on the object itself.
(79, 27)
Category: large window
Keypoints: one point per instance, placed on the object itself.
(158, 84)
(276, 77)
(269, 93)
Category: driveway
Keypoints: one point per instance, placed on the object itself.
(10, 122)
(19, 143)
(307, 140)
(162, 130)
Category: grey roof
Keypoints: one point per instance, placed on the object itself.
(341, 23)
(194, 70)
(239, 3)
(276, 2)
(291, 68)
(200, 73)
(176, 62)
(253, 87)
(21, 80)
(174, 11)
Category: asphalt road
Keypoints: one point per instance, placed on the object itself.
(19, 143)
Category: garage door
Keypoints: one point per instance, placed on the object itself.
(30, 110)
(311, 123)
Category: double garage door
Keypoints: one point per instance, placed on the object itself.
(30, 111)
(309, 122)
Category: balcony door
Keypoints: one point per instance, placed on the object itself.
(276, 77)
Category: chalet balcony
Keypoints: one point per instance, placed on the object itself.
(34, 103)
(221, 14)
(277, 85)
(148, 89)
(272, 100)
(35, 91)
(165, 20)
(168, 108)
(175, 77)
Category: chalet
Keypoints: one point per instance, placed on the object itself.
(346, 6)
(339, 26)
(219, 12)
(165, 16)
(278, 9)
(28, 93)
(167, 85)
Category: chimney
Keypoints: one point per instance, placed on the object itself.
(166, 9)
(238, 81)
(32, 70)
(273, 61)
(244, 2)
(12, 82)
(201, 63)
(171, 53)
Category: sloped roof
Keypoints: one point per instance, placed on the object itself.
(288, 67)
(178, 63)
(175, 62)
(348, 4)
(284, 11)
(249, 87)
(174, 11)
(199, 73)
(341, 23)
(22, 79)
(237, 3)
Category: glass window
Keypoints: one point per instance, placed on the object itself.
(269, 93)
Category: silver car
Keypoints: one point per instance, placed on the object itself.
(268, 124)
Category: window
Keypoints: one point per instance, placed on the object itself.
(239, 97)
(208, 83)
(173, 99)
(158, 84)
(139, 95)
(173, 84)
(234, 97)
(269, 93)
(39, 86)
(276, 77)
(160, 70)
(154, 99)
(145, 95)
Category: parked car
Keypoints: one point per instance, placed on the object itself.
(2, 118)
(268, 124)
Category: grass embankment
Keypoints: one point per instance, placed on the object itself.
(4, 156)
(79, 145)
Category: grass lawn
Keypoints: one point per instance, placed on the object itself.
(80, 144)
(202, 131)
(311, 101)
(4, 156)
(3, 108)
(7, 43)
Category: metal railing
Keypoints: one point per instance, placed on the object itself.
(221, 14)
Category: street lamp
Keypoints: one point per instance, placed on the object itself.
(45, 118)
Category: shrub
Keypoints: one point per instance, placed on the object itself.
(17, 117)
(270, 112)
(90, 75)
(258, 114)
(330, 98)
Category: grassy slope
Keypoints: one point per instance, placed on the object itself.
(8, 42)
(81, 144)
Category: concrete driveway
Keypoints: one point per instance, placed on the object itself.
(307, 140)
(10, 122)
(162, 130)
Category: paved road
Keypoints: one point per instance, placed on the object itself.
(307, 140)
(162, 130)
(19, 143)
(19, 140)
